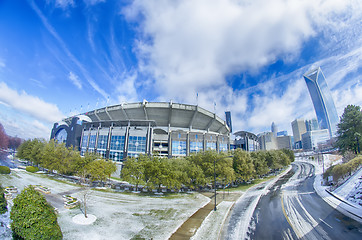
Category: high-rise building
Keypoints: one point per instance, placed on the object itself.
(311, 125)
(298, 127)
(322, 100)
(284, 142)
(311, 139)
(274, 129)
(282, 133)
(228, 120)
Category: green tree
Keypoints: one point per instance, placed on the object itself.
(33, 218)
(49, 159)
(133, 172)
(100, 170)
(349, 130)
(260, 164)
(35, 154)
(80, 164)
(243, 165)
(3, 203)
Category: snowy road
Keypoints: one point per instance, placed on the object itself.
(289, 209)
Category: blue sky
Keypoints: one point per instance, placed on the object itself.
(63, 57)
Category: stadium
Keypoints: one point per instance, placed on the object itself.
(130, 129)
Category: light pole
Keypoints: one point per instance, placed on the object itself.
(215, 177)
(215, 183)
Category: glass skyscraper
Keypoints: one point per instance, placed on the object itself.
(322, 100)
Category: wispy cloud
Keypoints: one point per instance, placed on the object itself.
(75, 80)
(2, 63)
(30, 105)
(53, 32)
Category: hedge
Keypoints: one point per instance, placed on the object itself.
(31, 169)
(33, 217)
(3, 203)
(4, 170)
(342, 170)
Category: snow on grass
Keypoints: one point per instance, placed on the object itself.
(5, 232)
(119, 215)
(213, 223)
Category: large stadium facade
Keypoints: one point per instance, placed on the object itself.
(128, 130)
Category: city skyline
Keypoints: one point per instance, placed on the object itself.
(61, 58)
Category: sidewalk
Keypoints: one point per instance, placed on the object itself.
(336, 201)
(190, 226)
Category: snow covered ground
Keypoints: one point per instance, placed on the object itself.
(349, 192)
(213, 223)
(119, 215)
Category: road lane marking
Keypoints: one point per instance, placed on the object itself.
(325, 223)
(286, 217)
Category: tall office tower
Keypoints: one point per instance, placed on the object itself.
(298, 127)
(311, 125)
(228, 120)
(274, 129)
(322, 100)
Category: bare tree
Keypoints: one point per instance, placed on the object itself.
(85, 195)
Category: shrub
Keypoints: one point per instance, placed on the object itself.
(4, 170)
(33, 217)
(31, 169)
(3, 203)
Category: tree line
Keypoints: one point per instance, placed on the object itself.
(7, 141)
(55, 156)
(198, 169)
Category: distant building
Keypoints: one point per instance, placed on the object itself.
(322, 100)
(274, 129)
(267, 141)
(282, 133)
(284, 142)
(312, 139)
(247, 141)
(311, 124)
(298, 127)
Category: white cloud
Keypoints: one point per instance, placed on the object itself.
(30, 105)
(75, 80)
(18, 124)
(194, 45)
(191, 46)
(64, 3)
(93, 2)
(126, 89)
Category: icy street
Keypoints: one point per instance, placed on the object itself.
(119, 215)
(291, 209)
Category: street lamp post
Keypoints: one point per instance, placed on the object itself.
(215, 183)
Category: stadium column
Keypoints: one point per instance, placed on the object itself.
(81, 140)
(218, 143)
(149, 139)
(89, 134)
(169, 145)
(187, 143)
(109, 141)
(126, 140)
(96, 144)
(204, 142)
